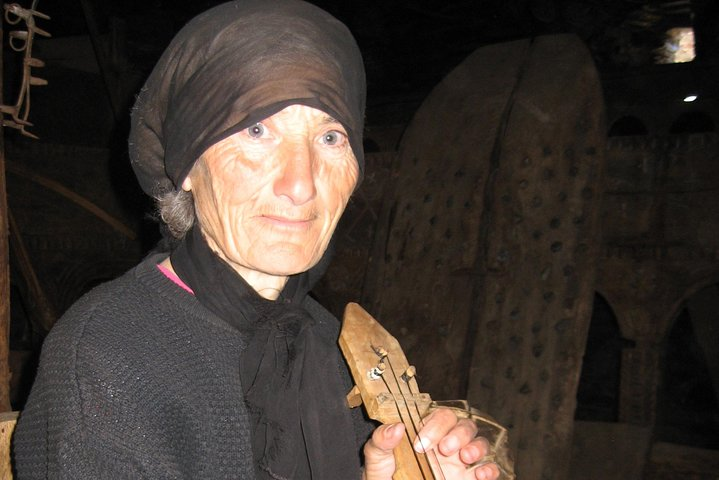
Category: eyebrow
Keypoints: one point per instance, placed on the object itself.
(330, 119)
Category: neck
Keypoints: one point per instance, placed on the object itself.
(266, 286)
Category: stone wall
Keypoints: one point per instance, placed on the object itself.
(661, 244)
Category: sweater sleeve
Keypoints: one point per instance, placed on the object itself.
(136, 380)
(74, 455)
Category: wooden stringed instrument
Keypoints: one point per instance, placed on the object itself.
(386, 385)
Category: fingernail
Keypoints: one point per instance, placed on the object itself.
(421, 444)
(393, 429)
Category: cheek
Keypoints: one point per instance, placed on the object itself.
(240, 183)
(336, 187)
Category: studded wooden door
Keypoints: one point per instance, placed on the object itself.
(484, 259)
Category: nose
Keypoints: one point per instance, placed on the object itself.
(296, 180)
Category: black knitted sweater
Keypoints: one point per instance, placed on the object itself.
(139, 380)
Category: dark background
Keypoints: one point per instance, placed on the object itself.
(408, 46)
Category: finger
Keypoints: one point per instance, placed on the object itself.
(385, 438)
(435, 427)
(474, 451)
(460, 436)
(489, 471)
(379, 458)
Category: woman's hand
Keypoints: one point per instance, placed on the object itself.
(452, 439)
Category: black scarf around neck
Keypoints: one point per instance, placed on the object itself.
(301, 428)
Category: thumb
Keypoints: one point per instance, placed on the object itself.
(379, 458)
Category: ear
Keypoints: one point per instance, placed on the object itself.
(187, 184)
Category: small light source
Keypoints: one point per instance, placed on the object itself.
(690, 98)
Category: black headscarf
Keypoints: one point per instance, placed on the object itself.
(229, 68)
(233, 66)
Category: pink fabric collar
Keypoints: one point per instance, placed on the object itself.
(173, 276)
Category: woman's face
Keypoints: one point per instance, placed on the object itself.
(268, 198)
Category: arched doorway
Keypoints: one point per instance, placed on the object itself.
(598, 389)
(688, 399)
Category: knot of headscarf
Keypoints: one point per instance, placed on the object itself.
(233, 66)
(301, 427)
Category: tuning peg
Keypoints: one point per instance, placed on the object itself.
(379, 351)
(354, 398)
(377, 372)
(409, 374)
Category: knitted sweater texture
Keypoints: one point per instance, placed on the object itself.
(139, 380)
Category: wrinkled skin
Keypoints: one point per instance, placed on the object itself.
(268, 199)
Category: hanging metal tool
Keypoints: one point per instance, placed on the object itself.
(21, 41)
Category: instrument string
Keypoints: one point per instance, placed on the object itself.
(432, 453)
(416, 421)
(407, 424)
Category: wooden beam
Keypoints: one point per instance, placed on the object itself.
(43, 314)
(109, 78)
(4, 276)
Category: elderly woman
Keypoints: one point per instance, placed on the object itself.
(213, 362)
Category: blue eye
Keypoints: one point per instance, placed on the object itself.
(332, 138)
(256, 130)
